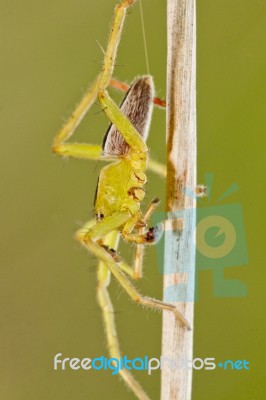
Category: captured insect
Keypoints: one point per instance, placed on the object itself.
(120, 188)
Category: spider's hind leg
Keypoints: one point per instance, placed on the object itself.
(103, 277)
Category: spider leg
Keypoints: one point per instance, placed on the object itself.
(110, 245)
(82, 150)
(139, 253)
(150, 236)
(157, 168)
(105, 303)
(98, 231)
(110, 241)
(123, 87)
(115, 115)
(113, 42)
(106, 306)
(78, 150)
(122, 123)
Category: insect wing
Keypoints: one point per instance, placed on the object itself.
(137, 106)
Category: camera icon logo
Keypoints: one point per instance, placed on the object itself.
(220, 243)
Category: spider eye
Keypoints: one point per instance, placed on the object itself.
(99, 216)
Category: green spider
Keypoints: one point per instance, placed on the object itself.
(120, 187)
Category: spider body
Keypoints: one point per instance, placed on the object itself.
(115, 191)
(120, 184)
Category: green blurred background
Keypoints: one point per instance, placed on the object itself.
(49, 56)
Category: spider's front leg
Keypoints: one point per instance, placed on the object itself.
(113, 42)
(84, 150)
(78, 150)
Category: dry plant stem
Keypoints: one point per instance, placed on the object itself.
(181, 174)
